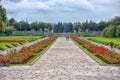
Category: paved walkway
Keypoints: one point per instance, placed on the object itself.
(63, 61)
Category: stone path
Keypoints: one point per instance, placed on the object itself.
(63, 61)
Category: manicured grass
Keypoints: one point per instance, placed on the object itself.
(93, 56)
(6, 45)
(19, 37)
(105, 41)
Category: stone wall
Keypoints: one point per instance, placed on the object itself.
(97, 33)
(26, 32)
(61, 34)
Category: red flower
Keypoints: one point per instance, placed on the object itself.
(119, 60)
(7, 60)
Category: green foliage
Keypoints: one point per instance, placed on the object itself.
(92, 26)
(85, 25)
(118, 31)
(76, 26)
(109, 31)
(58, 28)
(3, 19)
(24, 26)
(37, 26)
(113, 29)
(115, 21)
(40, 35)
(3, 15)
(88, 35)
(9, 30)
(2, 27)
(17, 26)
(20, 35)
(68, 27)
(63, 27)
(49, 26)
(101, 25)
(11, 22)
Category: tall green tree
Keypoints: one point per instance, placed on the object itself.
(92, 26)
(58, 28)
(3, 15)
(85, 25)
(42, 25)
(113, 28)
(118, 31)
(3, 19)
(49, 26)
(2, 27)
(17, 26)
(101, 25)
(68, 27)
(77, 26)
(11, 21)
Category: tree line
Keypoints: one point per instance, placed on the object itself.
(110, 28)
(113, 28)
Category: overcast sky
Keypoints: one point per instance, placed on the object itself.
(62, 10)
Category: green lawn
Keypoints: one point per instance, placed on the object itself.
(6, 45)
(105, 41)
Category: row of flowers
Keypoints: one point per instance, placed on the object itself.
(105, 54)
(25, 53)
(12, 40)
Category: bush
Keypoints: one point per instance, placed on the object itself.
(89, 35)
(20, 35)
(40, 35)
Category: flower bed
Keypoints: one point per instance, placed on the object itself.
(105, 41)
(103, 53)
(21, 56)
(12, 40)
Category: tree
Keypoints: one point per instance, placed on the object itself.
(3, 19)
(115, 21)
(101, 25)
(77, 26)
(118, 31)
(34, 25)
(49, 26)
(113, 27)
(68, 27)
(11, 21)
(92, 26)
(9, 30)
(24, 26)
(58, 28)
(3, 15)
(109, 31)
(42, 25)
(17, 26)
(85, 25)
(2, 27)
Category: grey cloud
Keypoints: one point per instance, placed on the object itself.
(63, 10)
